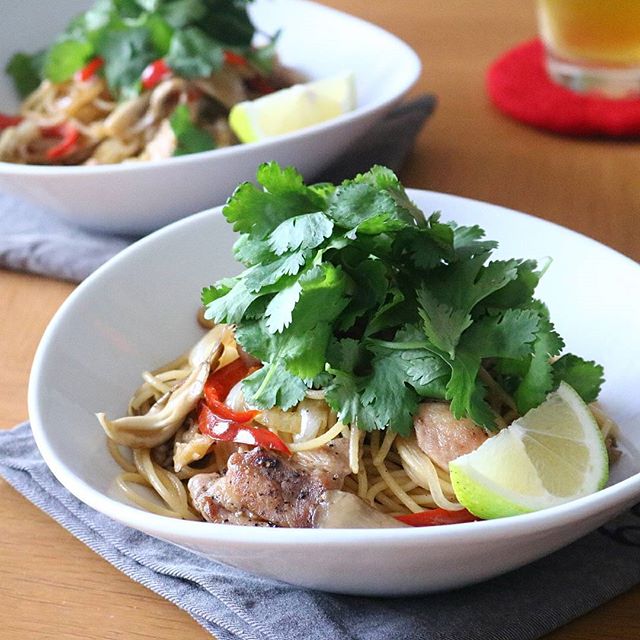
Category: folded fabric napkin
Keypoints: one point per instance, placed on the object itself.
(232, 604)
(36, 241)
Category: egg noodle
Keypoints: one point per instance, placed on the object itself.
(389, 472)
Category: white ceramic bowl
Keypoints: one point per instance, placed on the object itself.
(138, 310)
(140, 197)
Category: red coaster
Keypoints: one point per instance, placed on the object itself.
(520, 87)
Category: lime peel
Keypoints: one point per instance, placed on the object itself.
(293, 108)
(553, 454)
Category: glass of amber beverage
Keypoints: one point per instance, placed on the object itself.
(593, 45)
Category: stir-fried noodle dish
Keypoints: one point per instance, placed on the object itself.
(364, 349)
(126, 83)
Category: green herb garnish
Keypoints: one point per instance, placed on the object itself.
(352, 289)
(190, 137)
(128, 34)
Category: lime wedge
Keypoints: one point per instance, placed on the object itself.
(553, 454)
(293, 108)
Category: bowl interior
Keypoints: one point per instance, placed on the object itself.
(138, 311)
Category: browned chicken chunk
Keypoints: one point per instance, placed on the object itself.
(264, 486)
(442, 437)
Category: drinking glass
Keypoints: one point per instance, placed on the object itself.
(592, 45)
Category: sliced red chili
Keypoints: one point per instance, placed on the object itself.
(7, 121)
(241, 433)
(234, 59)
(154, 73)
(226, 413)
(69, 138)
(89, 70)
(435, 517)
(220, 382)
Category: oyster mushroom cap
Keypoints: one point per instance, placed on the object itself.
(167, 415)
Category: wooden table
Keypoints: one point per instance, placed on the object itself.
(53, 586)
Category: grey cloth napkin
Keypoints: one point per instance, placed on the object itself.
(234, 605)
(36, 241)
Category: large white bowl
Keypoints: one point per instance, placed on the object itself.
(141, 197)
(138, 310)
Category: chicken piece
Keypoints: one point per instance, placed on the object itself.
(265, 485)
(211, 497)
(442, 437)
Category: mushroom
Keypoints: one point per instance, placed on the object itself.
(125, 116)
(167, 415)
(342, 510)
(164, 98)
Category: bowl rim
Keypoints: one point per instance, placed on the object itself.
(163, 526)
(411, 69)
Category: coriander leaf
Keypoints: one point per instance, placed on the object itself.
(193, 54)
(273, 385)
(343, 396)
(395, 311)
(25, 70)
(467, 242)
(64, 58)
(368, 290)
(452, 293)
(306, 231)
(279, 311)
(149, 5)
(443, 324)
(259, 212)
(425, 247)
(538, 381)
(230, 306)
(390, 401)
(263, 275)
(189, 137)
(228, 22)
(160, 33)
(126, 53)
(302, 346)
(383, 178)
(585, 376)
(519, 291)
(507, 335)
(251, 251)
(361, 207)
(320, 303)
(180, 13)
(345, 354)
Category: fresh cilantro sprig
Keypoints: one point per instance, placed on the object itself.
(351, 288)
(191, 35)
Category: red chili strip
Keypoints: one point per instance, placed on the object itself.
(89, 70)
(234, 59)
(69, 138)
(220, 382)
(241, 433)
(7, 121)
(154, 73)
(435, 517)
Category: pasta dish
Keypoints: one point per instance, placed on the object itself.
(125, 83)
(316, 399)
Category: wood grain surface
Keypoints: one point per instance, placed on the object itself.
(52, 586)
